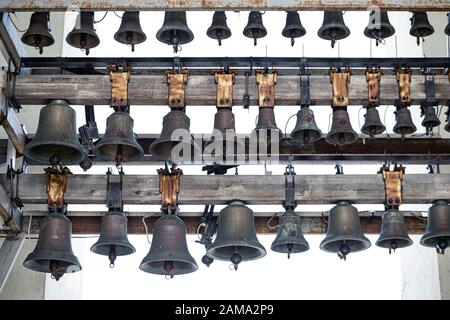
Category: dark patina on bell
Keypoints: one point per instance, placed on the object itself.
(83, 34)
(38, 33)
(53, 252)
(379, 27)
(219, 29)
(430, 119)
(447, 126)
(341, 132)
(130, 31)
(169, 254)
(306, 130)
(289, 237)
(420, 26)
(372, 125)
(447, 28)
(236, 239)
(437, 233)
(344, 233)
(175, 30)
(333, 27)
(56, 134)
(404, 124)
(255, 28)
(293, 28)
(113, 240)
(393, 233)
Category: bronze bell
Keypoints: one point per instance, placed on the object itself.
(53, 252)
(255, 28)
(175, 30)
(289, 237)
(341, 132)
(344, 233)
(56, 134)
(393, 233)
(236, 239)
(430, 119)
(372, 125)
(219, 29)
(175, 120)
(379, 27)
(447, 126)
(119, 142)
(437, 233)
(130, 31)
(420, 26)
(38, 33)
(224, 133)
(306, 130)
(113, 240)
(293, 28)
(83, 34)
(333, 27)
(169, 254)
(447, 28)
(266, 122)
(404, 124)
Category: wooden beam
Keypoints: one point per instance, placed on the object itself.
(201, 89)
(9, 251)
(232, 5)
(252, 189)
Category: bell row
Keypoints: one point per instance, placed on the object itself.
(175, 142)
(236, 240)
(176, 32)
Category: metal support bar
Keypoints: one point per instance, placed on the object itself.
(10, 45)
(8, 253)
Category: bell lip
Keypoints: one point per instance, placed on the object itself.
(143, 266)
(142, 38)
(380, 129)
(211, 33)
(401, 242)
(194, 146)
(297, 248)
(429, 240)
(260, 251)
(40, 159)
(75, 32)
(321, 33)
(389, 28)
(96, 248)
(364, 240)
(300, 32)
(30, 262)
(27, 39)
(104, 157)
(353, 140)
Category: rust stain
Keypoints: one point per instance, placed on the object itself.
(266, 88)
(340, 81)
(176, 83)
(224, 96)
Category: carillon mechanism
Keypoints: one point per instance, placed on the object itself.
(339, 81)
(176, 82)
(224, 82)
(56, 182)
(373, 78)
(393, 185)
(169, 187)
(119, 86)
(404, 85)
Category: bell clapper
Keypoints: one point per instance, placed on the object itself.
(235, 259)
(292, 41)
(333, 42)
(54, 269)
(289, 246)
(119, 155)
(168, 268)
(344, 250)
(393, 246)
(441, 245)
(207, 260)
(112, 256)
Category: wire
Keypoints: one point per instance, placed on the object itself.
(268, 223)
(384, 120)
(285, 127)
(419, 217)
(29, 227)
(145, 226)
(15, 26)
(329, 121)
(117, 15)
(102, 18)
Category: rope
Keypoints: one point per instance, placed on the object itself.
(117, 15)
(145, 227)
(102, 18)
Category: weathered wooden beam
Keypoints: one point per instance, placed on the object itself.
(201, 89)
(252, 189)
(10, 45)
(9, 251)
(63, 5)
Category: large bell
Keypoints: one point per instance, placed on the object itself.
(83, 35)
(113, 240)
(430, 119)
(420, 26)
(224, 134)
(447, 126)
(169, 254)
(333, 27)
(130, 31)
(289, 237)
(379, 27)
(372, 125)
(393, 233)
(53, 252)
(162, 147)
(175, 30)
(404, 124)
(56, 134)
(293, 28)
(447, 28)
(341, 132)
(437, 233)
(236, 239)
(344, 234)
(38, 33)
(255, 28)
(219, 29)
(306, 130)
(119, 142)
(266, 122)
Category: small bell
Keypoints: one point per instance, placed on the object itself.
(255, 28)
(379, 27)
(289, 237)
(393, 233)
(333, 27)
(437, 233)
(83, 35)
(38, 33)
(372, 126)
(420, 26)
(447, 28)
(341, 132)
(293, 28)
(175, 30)
(404, 124)
(130, 31)
(219, 29)
(306, 131)
(430, 119)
